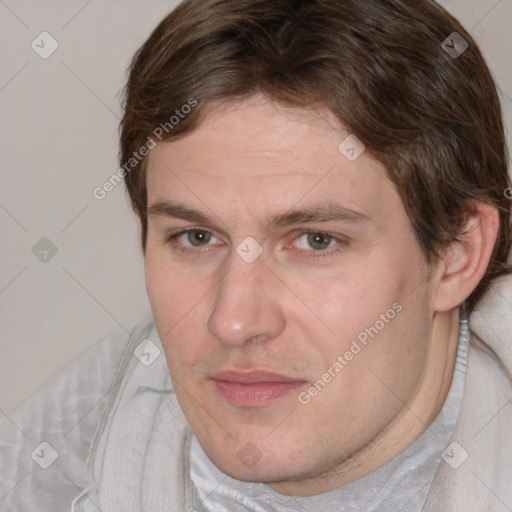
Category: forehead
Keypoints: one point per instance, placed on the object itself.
(281, 156)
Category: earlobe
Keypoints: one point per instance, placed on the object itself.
(463, 263)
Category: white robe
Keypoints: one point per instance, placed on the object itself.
(115, 439)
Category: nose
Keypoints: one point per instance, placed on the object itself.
(247, 305)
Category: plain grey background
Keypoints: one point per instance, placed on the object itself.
(58, 142)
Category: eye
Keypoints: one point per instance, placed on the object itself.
(317, 241)
(192, 238)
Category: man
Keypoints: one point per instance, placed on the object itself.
(322, 190)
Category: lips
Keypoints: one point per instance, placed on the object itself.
(254, 388)
(252, 377)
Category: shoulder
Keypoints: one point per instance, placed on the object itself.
(491, 322)
(45, 441)
(475, 472)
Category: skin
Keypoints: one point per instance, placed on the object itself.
(298, 307)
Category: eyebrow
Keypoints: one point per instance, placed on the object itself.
(327, 212)
(178, 211)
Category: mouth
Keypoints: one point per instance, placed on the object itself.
(254, 388)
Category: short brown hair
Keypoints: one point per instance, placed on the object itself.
(433, 120)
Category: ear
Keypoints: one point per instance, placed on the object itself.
(463, 264)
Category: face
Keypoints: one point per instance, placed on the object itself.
(288, 291)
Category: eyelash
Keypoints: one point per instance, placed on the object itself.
(341, 243)
(327, 253)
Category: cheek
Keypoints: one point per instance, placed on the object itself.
(179, 305)
(171, 292)
(371, 308)
(349, 302)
